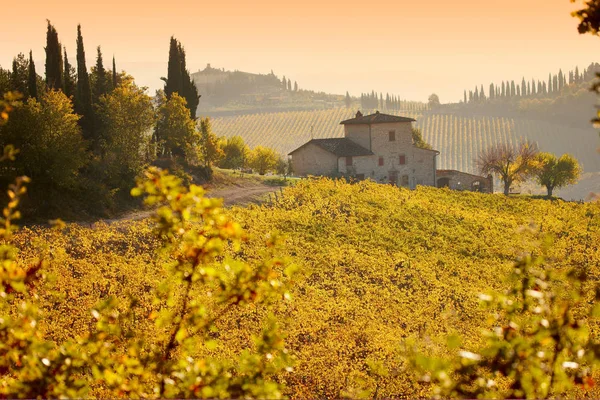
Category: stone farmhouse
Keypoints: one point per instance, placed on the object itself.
(378, 147)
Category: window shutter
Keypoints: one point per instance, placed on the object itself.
(402, 159)
(380, 161)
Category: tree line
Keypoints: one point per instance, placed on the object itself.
(85, 134)
(554, 86)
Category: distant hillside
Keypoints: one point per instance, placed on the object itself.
(459, 138)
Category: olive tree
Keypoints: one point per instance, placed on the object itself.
(510, 163)
(555, 172)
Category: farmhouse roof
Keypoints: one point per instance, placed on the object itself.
(341, 147)
(377, 118)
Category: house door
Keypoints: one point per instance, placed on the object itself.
(443, 182)
(394, 178)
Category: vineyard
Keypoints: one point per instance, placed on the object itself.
(364, 283)
(459, 139)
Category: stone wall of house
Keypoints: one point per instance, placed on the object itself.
(313, 160)
(418, 167)
(457, 180)
(360, 134)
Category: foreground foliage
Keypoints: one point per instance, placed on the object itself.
(366, 283)
(143, 344)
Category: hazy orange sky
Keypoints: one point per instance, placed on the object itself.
(410, 48)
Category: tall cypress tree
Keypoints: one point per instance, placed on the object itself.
(54, 62)
(69, 76)
(19, 74)
(179, 79)
(465, 96)
(101, 84)
(32, 77)
(83, 97)
(549, 83)
(560, 80)
(114, 74)
(523, 88)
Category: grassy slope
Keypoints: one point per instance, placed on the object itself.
(377, 264)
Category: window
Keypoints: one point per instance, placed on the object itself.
(404, 180)
(402, 159)
(380, 161)
(392, 136)
(348, 161)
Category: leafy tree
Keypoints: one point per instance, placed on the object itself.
(209, 144)
(263, 160)
(83, 98)
(589, 17)
(235, 153)
(175, 130)
(46, 130)
(433, 101)
(284, 167)
(32, 78)
(127, 118)
(54, 62)
(417, 138)
(70, 76)
(555, 173)
(510, 163)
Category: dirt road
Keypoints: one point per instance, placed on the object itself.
(232, 196)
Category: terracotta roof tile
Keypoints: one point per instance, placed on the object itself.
(377, 118)
(341, 147)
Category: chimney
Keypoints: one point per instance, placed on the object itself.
(358, 114)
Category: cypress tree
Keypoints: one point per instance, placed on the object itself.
(174, 80)
(528, 89)
(533, 87)
(560, 80)
(54, 63)
(492, 91)
(513, 91)
(101, 84)
(523, 88)
(503, 90)
(476, 95)
(289, 85)
(482, 94)
(549, 83)
(465, 96)
(83, 96)
(555, 84)
(114, 74)
(295, 86)
(518, 91)
(284, 83)
(32, 77)
(19, 74)
(69, 76)
(576, 77)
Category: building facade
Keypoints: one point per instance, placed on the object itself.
(377, 146)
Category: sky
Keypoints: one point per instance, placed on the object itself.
(409, 48)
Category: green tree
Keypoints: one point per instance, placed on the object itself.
(175, 129)
(127, 117)
(46, 130)
(235, 153)
(32, 77)
(115, 80)
(433, 101)
(417, 138)
(70, 76)
(510, 163)
(178, 78)
(263, 160)
(210, 148)
(554, 173)
(83, 98)
(589, 17)
(54, 62)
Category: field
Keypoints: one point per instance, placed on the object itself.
(377, 265)
(458, 138)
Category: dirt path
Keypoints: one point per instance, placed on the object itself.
(232, 196)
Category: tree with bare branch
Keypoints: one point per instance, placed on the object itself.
(510, 163)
